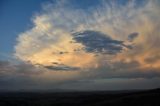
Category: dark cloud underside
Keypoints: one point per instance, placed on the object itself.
(132, 36)
(97, 42)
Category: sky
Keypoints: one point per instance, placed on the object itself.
(79, 44)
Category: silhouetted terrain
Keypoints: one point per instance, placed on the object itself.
(95, 98)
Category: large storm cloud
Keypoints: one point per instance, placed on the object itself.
(108, 42)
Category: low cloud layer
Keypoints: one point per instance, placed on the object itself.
(108, 43)
(62, 68)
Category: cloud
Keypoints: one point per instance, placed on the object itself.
(20, 75)
(98, 42)
(62, 68)
(132, 36)
(57, 23)
(64, 39)
(17, 75)
(8, 67)
(113, 84)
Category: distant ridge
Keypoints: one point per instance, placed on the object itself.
(150, 97)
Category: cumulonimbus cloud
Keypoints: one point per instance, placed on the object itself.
(73, 37)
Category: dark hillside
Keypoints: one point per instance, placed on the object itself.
(97, 98)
